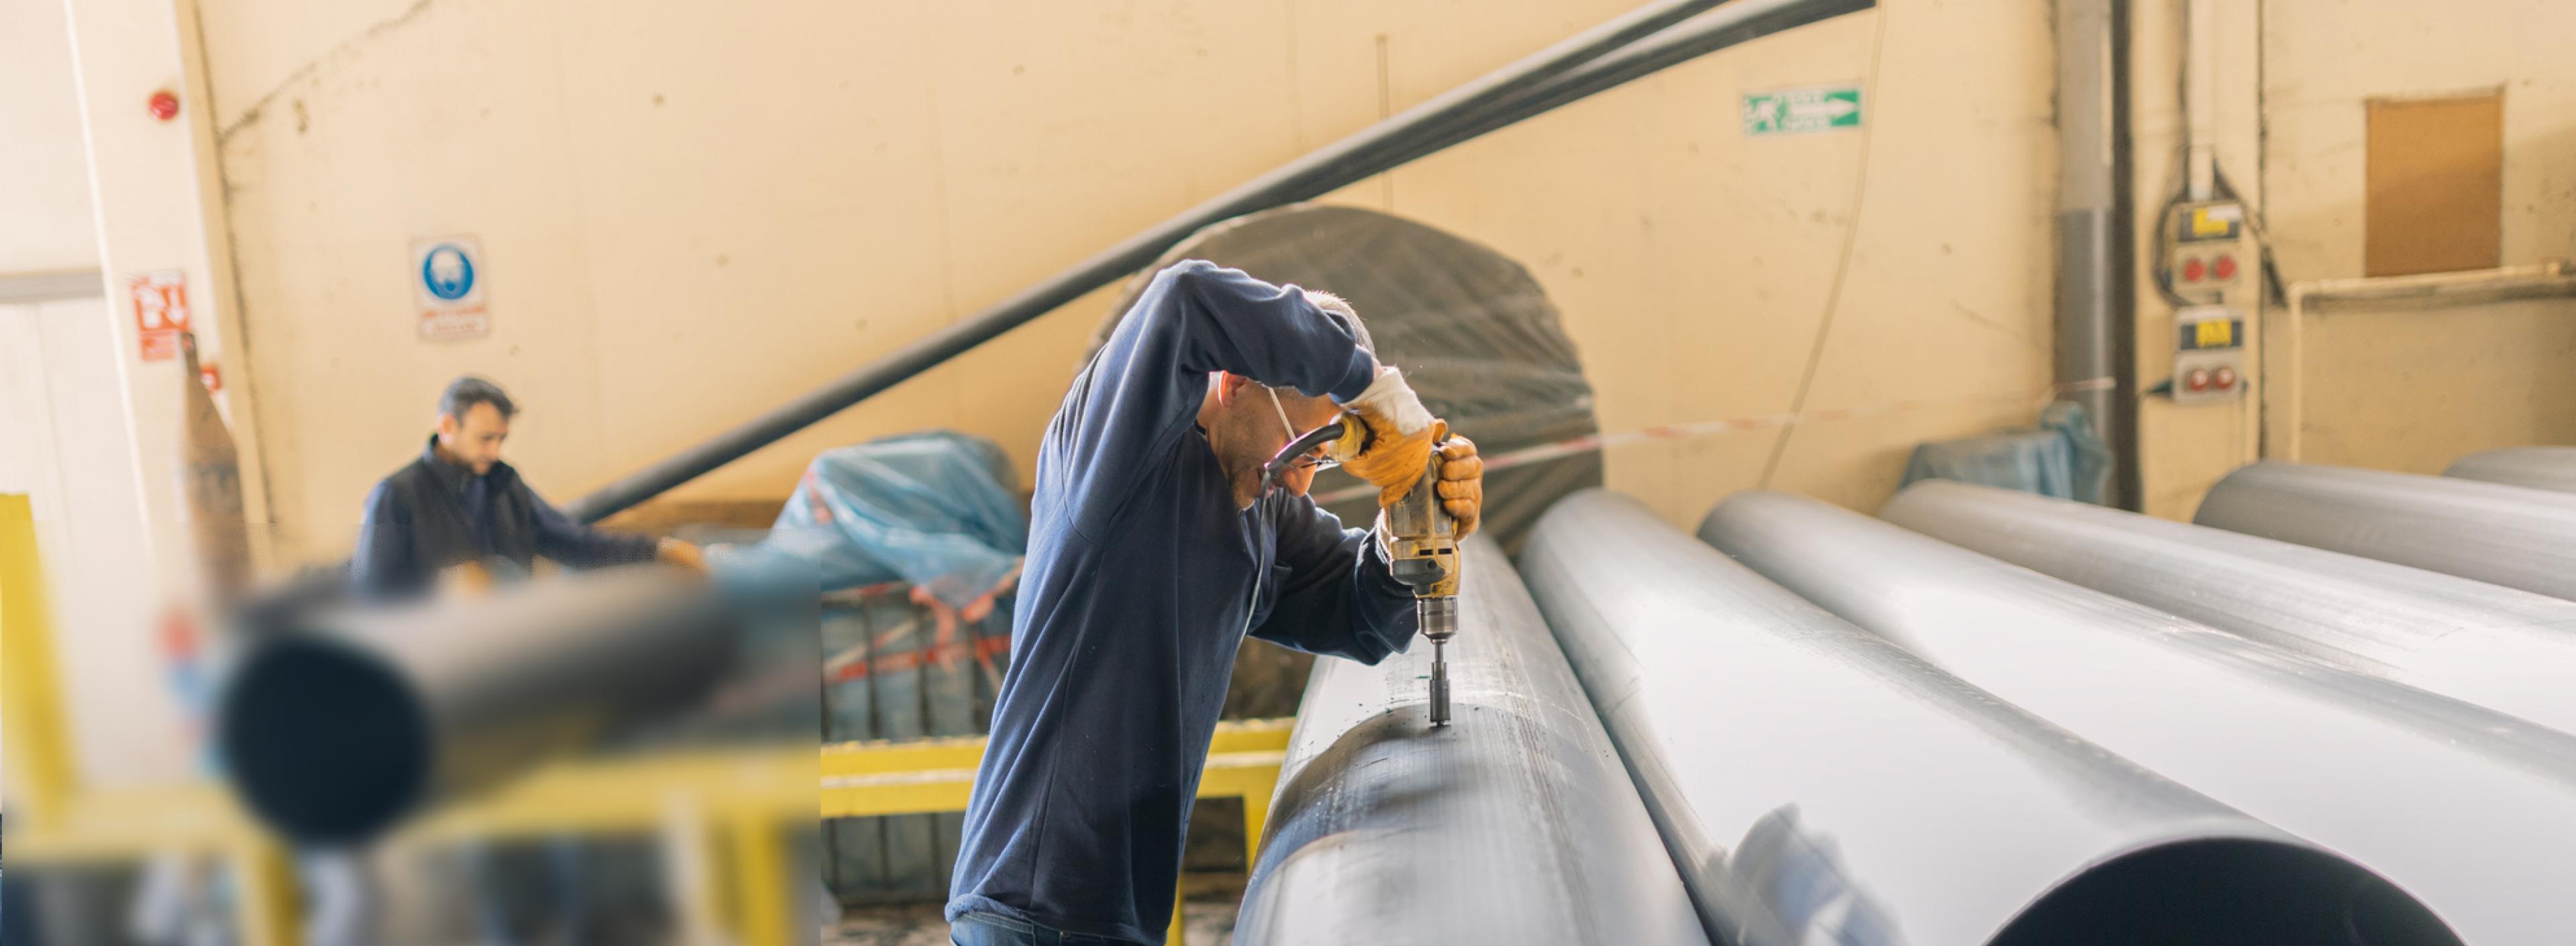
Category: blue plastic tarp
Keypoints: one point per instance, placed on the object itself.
(938, 511)
(2062, 457)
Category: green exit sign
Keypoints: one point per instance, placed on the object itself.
(1796, 111)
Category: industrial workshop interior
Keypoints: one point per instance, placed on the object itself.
(1016, 473)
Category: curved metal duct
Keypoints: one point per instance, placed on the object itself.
(336, 728)
(1514, 825)
(2471, 812)
(2549, 468)
(1815, 783)
(2501, 648)
(2505, 535)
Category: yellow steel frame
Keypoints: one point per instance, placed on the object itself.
(935, 775)
(747, 795)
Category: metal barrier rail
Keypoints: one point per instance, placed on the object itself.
(930, 776)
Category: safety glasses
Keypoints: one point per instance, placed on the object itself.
(1310, 461)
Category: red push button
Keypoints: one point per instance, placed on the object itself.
(2226, 267)
(2193, 269)
(2224, 378)
(2197, 380)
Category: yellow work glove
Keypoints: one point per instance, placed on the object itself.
(1390, 445)
(1462, 483)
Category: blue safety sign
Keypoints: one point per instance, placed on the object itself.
(447, 277)
(447, 271)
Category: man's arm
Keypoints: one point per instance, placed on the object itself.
(1338, 598)
(1144, 388)
(382, 567)
(571, 543)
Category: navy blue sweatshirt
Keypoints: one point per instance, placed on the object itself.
(1142, 579)
(432, 514)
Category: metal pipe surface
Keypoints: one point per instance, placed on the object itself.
(2505, 535)
(334, 730)
(2505, 649)
(2470, 811)
(2549, 468)
(1513, 825)
(1815, 783)
(1437, 120)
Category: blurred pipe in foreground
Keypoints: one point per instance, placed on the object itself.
(340, 724)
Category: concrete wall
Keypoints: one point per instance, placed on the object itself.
(2413, 390)
(691, 214)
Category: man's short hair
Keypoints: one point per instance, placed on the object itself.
(1341, 311)
(465, 392)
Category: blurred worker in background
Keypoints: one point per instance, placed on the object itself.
(1153, 551)
(457, 517)
(458, 512)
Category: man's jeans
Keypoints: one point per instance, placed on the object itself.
(985, 929)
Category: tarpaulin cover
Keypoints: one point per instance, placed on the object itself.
(1472, 330)
(936, 510)
(2062, 457)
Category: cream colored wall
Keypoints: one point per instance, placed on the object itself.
(2415, 390)
(2186, 448)
(45, 219)
(692, 214)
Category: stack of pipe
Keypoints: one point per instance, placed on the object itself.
(2506, 535)
(2472, 811)
(1815, 783)
(2549, 468)
(2502, 648)
(1514, 825)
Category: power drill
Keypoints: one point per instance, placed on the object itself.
(1422, 551)
(1421, 545)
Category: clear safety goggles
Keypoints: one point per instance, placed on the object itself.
(1310, 461)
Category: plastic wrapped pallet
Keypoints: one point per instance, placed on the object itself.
(910, 534)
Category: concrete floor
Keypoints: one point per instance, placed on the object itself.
(1214, 898)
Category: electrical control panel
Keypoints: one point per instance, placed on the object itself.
(2209, 357)
(2208, 266)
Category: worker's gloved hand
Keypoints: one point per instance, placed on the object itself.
(1462, 483)
(1399, 433)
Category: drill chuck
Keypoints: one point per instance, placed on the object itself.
(1438, 617)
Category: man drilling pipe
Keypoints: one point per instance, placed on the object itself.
(1161, 534)
(1420, 535)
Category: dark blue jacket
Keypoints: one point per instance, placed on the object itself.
(1142, 579)
(432, 514)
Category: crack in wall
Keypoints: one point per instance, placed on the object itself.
(312, 67)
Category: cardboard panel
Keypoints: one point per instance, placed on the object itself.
(2435, 185)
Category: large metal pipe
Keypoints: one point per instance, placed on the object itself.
(2472, 812)
(2549, 468)
(2501, 648)
(1815, 783)
(1514, 825)
(2506, 535)
(1443, 120)
(336, 728)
